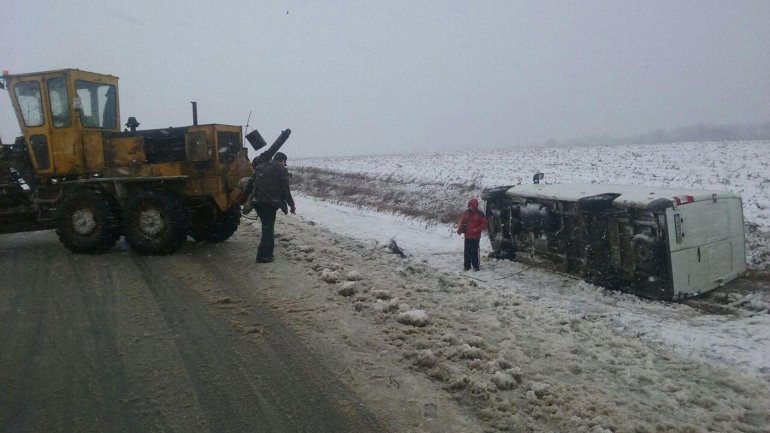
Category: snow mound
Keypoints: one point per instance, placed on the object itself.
(504, 380)
(381, 294)
(426, 359)
(354, 276)
(348, 288)
(414, 317)
(330, 276)
(387, 306)
(305, 249)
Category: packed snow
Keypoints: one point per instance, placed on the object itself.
(522, 334)
(520, 349)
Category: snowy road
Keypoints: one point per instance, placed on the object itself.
(119, 342)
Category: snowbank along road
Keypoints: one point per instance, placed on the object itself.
(530, 350)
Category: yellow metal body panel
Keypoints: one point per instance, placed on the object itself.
(67, 149)
(93, 151)
(124, 151)
(199, 144)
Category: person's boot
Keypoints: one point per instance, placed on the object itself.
(269, 252)
(265, 253)
(261, 256)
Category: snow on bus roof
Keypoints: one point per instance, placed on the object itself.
(630, 195)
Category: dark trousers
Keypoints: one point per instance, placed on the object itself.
(266, 213)
(471, 255)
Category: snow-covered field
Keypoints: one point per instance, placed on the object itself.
(739, 167)
(739, 342)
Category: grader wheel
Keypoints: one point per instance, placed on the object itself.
(88, 221)
(156, 222)
(216, 226)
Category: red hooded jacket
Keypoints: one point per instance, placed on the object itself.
(474, 222)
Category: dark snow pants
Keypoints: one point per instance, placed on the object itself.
(471, 255)
(266, 213)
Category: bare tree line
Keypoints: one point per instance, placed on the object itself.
(692, 133)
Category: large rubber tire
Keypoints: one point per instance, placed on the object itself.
(156, 222)
(88, 221)
(217, 226)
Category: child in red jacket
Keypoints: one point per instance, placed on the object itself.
(473, 223)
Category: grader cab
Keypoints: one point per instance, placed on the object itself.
(75, 170)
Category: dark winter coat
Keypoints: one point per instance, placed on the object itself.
(472, 224)
(270, 185)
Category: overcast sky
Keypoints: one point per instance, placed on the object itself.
(366, 77)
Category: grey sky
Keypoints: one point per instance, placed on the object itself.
(365, 77)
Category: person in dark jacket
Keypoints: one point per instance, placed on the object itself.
(472, 224)
(270, 185)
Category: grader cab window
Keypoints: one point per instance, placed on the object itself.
(30, 102)
(57, 97)
(98, 104)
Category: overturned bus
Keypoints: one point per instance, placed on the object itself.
(658, 243)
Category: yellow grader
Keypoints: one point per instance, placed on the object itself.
(74, 170)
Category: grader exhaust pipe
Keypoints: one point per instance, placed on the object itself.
(257, 142)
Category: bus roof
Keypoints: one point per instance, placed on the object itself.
(629, 195)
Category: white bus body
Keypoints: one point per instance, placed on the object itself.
(661, 243)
